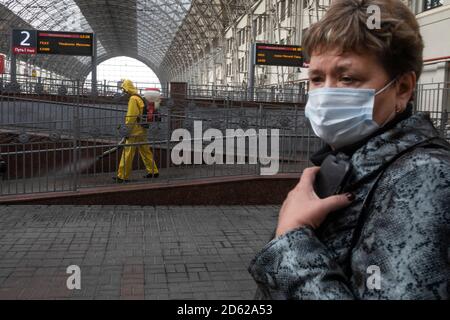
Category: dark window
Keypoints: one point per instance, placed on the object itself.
(282, 10)
(230, 45)
(431, 4)
(289, 8)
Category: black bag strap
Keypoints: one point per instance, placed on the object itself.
(433, 142)
(144, 111)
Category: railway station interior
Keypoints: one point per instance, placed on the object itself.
(74, 189)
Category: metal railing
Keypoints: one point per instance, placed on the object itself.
(59, 143)
(25, 84)
(290, 93)
(295, 93)
(434, 98)
(53, 146)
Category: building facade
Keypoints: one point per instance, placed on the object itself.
(285, 22)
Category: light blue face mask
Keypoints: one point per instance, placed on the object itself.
(343, 116)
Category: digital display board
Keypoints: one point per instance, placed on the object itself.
(52, 42)
(65, 43)
(278, 55)
(24, 42)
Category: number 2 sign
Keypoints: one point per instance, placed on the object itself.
(24, 42)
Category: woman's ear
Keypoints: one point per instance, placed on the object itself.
(406, 84)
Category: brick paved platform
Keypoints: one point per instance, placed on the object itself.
(131, 252)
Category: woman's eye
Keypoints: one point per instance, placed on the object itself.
(347, 80)
(316, 79)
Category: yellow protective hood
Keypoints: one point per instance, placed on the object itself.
(129, 87)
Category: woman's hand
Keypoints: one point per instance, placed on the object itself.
(304, 208)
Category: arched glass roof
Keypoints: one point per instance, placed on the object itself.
(164, 34)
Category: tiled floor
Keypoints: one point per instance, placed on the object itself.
(131, 252)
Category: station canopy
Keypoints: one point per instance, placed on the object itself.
(166, 35)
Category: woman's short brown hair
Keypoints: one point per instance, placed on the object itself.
(397, 44)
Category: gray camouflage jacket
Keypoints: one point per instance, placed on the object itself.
(398, 249)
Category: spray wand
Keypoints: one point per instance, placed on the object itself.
(111, 150)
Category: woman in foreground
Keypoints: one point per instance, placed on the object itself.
(386, 235)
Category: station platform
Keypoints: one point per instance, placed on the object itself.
(132, 252)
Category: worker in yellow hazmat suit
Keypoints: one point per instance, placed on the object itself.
(137, 134)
